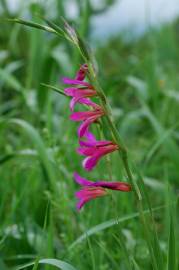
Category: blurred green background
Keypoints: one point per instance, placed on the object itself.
(138, 71)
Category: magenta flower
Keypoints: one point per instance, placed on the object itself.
(81, 74)
(78, 95)
(80, 89)
(76, 82)
(88, 193)
(87, 117)
(94, 150)
(92, 190)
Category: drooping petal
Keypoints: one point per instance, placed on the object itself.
(85, 125)
(90, 162)
(80, 180)
(81, 203)
(72, 104)
(91, 117)
(87, 193)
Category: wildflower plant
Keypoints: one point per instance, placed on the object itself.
(84, 89)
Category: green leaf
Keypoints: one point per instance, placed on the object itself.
(171, 260)
(107, 224)
(170, 145)
(10, 80)
(56, 28)
(56, 89)
(32, 24)
(22, 153)
(58, 263)
(35, 267)
(5, 158)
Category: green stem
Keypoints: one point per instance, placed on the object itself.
(107, 109)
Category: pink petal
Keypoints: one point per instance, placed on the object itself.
(85, 125)
(72, 104)
(75, 82)
(90, 137)
(75, 100)
(122, 186)
(70, 91)
(80, 180)
(86, 143)
(80, 92)
(90, 140)
(81, 203)
(81, 116)
(90, 162)
(79, 97)
(86, 151)
(89, 192)
(86, 194)
(108, 148)
(94, 105)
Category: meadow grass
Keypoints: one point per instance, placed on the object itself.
(40, 227)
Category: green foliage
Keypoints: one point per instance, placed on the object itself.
(57, 263)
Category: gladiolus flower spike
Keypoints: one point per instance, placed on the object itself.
(93, 150)
(91, 190)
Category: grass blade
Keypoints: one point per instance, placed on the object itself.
(35, 138)
(54, 262)
(56, 28)
(32, 24)
(171, 260)
(56, 89)
(10, 80)
(107, 224)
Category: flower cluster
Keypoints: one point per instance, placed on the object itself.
(93, 150)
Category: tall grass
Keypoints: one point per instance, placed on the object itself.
(37, 205)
